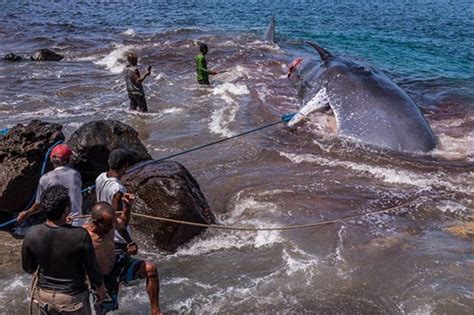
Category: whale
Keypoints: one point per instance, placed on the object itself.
(367, 105)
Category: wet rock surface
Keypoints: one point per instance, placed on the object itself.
(10, 251)
(22, 151)
(93, 141)
(167, 189)
(46, 55)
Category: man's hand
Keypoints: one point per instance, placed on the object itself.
(132, 248)
(22, 216)
(100, 292)
(128, 199)
(148, 71)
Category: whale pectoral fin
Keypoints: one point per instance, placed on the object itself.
(318, 103)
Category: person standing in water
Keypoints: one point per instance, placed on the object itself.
(201, 66)
(134, 83)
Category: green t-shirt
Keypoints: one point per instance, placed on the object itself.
(201, 68)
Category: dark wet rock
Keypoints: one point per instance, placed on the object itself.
(22, 151)
(93, 141)
(12, 57)
(10, 250)
(46, 55)
(167, 189)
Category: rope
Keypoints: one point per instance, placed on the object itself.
(277, 228)
(43, 169)
(284, 119)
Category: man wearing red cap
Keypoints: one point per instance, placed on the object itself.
(61, 175)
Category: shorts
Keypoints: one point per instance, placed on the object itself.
(204, 81)
(125, 272)
(137, 101)
(54, 302)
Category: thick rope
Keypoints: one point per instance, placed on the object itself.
(277, 228)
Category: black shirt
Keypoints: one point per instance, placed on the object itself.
(65, 255)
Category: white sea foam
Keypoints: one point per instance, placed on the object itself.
(221, 118)
(129, 32)
(390, 175)
(115, 61)
(229, 90)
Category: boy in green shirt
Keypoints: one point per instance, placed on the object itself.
(201, 66)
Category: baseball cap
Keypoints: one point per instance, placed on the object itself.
(61, 152)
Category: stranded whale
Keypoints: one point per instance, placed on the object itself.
(367, 105)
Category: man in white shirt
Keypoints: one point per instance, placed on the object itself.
(110, 189)
(62, 174)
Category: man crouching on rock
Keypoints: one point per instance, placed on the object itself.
(118, 268)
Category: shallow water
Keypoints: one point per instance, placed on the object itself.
(404, 261)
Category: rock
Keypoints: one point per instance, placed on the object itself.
(22, 151)
(10, 251)
(167, 189)
(93, 141)
(12, 57)
(46, 55)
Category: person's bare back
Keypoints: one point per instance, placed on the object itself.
(104, 248)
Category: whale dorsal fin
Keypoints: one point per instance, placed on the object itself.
(323, 53)
(270, 32)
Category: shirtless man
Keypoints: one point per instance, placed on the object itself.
(116, 267)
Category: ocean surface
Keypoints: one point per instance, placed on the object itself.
(409, 261)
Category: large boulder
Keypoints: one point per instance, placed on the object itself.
(93, 141)
(46, 55)
(22, 151)
(167, 189)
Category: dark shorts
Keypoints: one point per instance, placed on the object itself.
(137, 101)
(205, 81)
(125, 272)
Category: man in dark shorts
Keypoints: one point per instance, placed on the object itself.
(117, 266)
(201, 66)
(134, 83)
(62, 256)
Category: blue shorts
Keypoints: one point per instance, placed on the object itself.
(125, 272)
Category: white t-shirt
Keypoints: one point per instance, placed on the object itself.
(105, 189)
(69, 178)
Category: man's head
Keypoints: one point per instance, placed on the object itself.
(103, 216)
(60, 155)
(132, 58)
(119, 160)
(56, 203)
(203, 49)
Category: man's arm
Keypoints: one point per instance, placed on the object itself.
(119, 204)
(91, 266)
(28, 261)
(34, 209)
(137, 78)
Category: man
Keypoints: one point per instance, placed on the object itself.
(62, 174)
(62, 256)
(118, 268)
(110, 189)
(201, 66)
(134, 83)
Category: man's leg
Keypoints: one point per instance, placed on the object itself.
(141, 102)
(133, 101)
(148, 270)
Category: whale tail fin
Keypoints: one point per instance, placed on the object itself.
(323, 53)
(270, 32)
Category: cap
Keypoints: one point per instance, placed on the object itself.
(61, 152)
